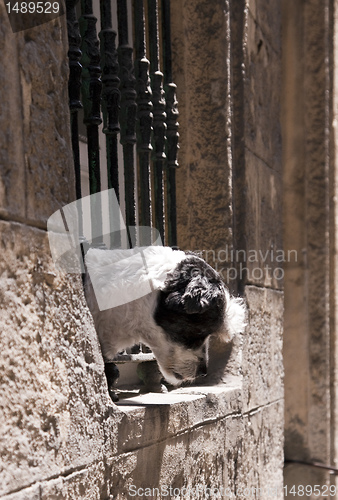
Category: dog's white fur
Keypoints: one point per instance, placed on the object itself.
(121, 274)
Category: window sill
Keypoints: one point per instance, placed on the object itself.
(152, 417)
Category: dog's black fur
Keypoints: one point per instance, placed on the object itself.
(192, 304)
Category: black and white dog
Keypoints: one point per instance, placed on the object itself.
(169, 300)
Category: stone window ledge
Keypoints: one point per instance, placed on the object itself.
(153, 417)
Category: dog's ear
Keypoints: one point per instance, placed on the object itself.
(198, 296)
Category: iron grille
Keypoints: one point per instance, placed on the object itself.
(123, 101)
(127, 86)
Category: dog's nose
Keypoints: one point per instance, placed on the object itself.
(202, 369)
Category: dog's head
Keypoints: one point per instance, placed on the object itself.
(193, 305)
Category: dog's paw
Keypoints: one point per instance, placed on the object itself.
(112, 374)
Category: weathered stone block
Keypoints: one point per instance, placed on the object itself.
(262, 348)
(203, 182)
(225, 361)
(196, 459)
(218, 456)
(48, 158)
(262, 89)
(36, 159)
(299, 479)
(262, 445)
(267, 14)
(233, 456)
(163, 416)
(310, 221)
(264, 253)
(32, 493)
(54, 400)
(88, 484)
(12, 167)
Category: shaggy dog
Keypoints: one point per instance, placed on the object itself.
(169, 300)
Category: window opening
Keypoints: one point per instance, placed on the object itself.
(124, 118)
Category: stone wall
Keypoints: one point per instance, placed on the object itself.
(227, 60)
(54, 406)
(310, 186)
(60, 435)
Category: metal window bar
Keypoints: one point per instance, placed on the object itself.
(159, 118)
(91, 97)
(127, 112)
(172, 126)
(74, 86)
(111, 97)
(130, 89)
(144, 119)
